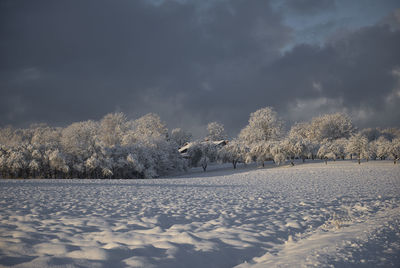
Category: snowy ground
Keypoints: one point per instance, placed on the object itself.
(340, 214)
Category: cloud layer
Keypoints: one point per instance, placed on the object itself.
(190, 62)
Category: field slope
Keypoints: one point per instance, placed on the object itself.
(340, 214)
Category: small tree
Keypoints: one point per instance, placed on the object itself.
(373, 149)
(395, 149)
(17, 162)
(383, 148)
(325, 152)
(202, 153)
(278, 153)
(292, 148)
(92, 165)
(358, 145)
(339, 148)
(279, 158)
(260, 151)
(235, 151)
(34, 168)
(300, 133)
(216, 132)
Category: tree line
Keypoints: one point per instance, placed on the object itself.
(116, 147)
(327, 137)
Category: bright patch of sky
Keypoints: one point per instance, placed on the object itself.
(316, 25)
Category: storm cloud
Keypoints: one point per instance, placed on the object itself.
(191, 62)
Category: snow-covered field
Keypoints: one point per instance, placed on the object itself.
(340, 214)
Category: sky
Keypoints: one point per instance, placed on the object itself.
(193, 62)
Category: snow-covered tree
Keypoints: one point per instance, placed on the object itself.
(382, 148)
(10, 137)
(180, 137)
(34, 168)
(45, 136)
(111, 148)
(327, 151)
(112, 128)
(3, 161)
(291, 149)
(358, 145)
(57, 163)
(278, 153)
(263, 129)
(264, 125)
(150, 126)
(395, 150)
(333, 149)
(202, 153)
(167, 157)
(373, 149)
(279, 158)
(79, 139)
(338, 148)
(260, 152)
(145, 129)
(93, 165)
(300, 133)
(17, 162)
(371, 134)
(234, 152)
(330, 127)
(216, 132)
(116, 147)
(390, 133)
(134, 162)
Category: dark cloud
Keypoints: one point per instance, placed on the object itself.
(92, 57)
(355, 73)
(190, 61)
(309, 6)
(393, 20)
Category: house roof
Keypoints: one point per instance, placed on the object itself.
(184, 148)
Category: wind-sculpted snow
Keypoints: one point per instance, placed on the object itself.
(307, 215)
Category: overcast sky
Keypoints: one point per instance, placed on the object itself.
(193, 61)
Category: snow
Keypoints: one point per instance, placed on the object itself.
(340, 214)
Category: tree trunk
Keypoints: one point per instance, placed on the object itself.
(234, 162)
(204, 166)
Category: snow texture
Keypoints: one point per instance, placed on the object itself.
(340, 214)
